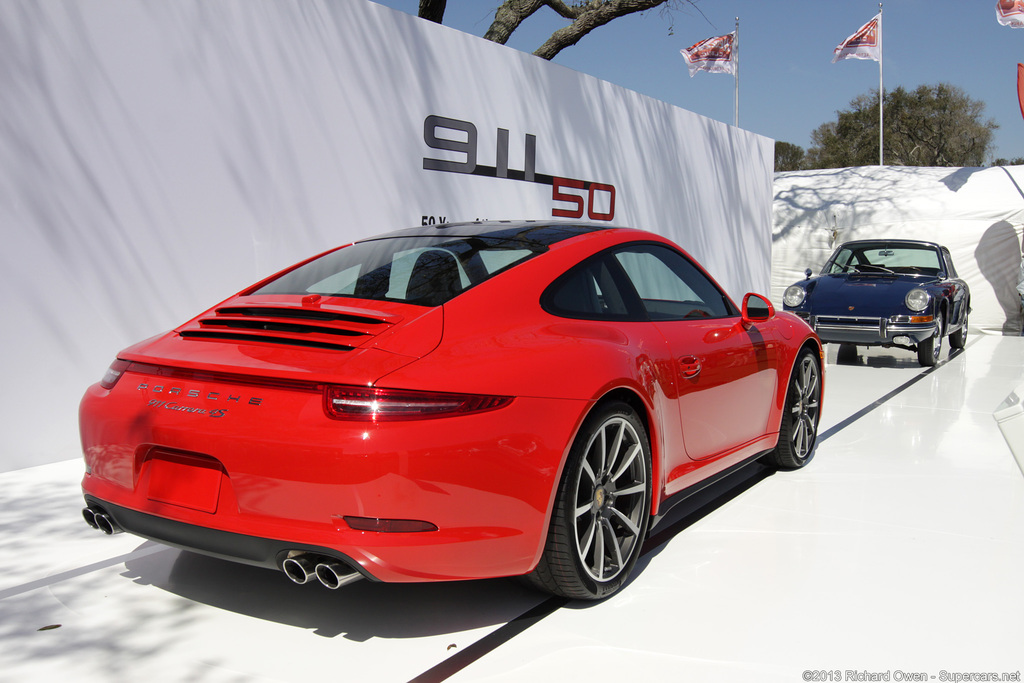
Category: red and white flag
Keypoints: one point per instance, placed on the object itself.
(866, 43)
(1020, 87)
(1010, 13)
(714, 55)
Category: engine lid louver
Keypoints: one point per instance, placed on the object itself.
(288, 325)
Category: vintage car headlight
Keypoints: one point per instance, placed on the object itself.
(917, 299)
(794, 296)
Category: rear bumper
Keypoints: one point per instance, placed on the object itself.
(252, 485)
(252, 550)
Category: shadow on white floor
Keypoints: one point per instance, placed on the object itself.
(899, 550)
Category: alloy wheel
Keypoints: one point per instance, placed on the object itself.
(610, 499)
(806, 406)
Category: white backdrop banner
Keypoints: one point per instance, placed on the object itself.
(159, 156)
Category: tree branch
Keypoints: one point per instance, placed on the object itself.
(508, 17)
(589, 16)
(567, 11)
(585, 15)
(432, 10)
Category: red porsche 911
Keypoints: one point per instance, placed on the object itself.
(453, 402)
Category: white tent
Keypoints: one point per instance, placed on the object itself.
(976, 212)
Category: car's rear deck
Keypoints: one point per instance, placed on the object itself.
(899, 550)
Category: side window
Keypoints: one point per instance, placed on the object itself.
(589, 292)
(670, 286)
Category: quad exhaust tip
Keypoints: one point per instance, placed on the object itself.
(98, 519)
(302, 568)
(299, 566)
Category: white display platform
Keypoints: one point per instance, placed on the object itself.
(899, 550)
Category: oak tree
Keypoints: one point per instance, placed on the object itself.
(933, 125)
(789, 157)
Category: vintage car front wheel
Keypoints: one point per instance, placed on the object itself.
(928, 350)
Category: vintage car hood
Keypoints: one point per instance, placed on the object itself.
(290, 337)
(868, 294)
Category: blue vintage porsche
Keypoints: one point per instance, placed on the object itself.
(890, 293)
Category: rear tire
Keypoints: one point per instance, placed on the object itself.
(602, 508)
(798, 431)
(958, 339)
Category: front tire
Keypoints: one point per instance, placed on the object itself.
(928, 351)
(602, 509)
(798, 431)
(847, 353)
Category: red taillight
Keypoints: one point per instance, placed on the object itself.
(380, 405)
(114, 373)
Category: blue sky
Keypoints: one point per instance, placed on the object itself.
(788, 85)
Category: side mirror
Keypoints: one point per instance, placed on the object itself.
(808, 273)
(756, 308)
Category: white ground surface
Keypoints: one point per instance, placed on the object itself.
(898, 550)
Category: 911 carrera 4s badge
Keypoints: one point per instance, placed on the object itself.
(171, 405)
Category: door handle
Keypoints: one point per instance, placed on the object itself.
(689, 366)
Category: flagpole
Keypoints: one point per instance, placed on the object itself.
(881, 91)
(736, 67)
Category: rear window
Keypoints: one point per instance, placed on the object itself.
(422, 270)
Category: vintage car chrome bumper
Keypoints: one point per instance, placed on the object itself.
(893, 331)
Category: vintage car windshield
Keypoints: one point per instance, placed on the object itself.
(423, 270)
(885, 258)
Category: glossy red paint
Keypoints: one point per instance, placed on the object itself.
(213, 430)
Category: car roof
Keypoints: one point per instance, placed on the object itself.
(534, 233)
